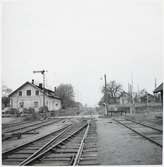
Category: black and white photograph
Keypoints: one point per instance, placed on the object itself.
(82, 83)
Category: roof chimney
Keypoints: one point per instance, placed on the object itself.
(40, 85)
(32, 81)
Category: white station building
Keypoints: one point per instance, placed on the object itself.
(31, 95)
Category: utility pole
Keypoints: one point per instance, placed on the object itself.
(132, 90)
(155, 85)
(43, 73)
(147, 101)
(132, 99)
(138, 92)
(106, 100)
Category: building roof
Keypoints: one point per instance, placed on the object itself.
(47, 92)
(159, 88)
(147, 94)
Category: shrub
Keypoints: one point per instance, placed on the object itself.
(29, 114)
(25, 111)
(52, 113)
(12, 111)
(31, 110)
(43, 109)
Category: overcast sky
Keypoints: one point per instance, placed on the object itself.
(78, 41)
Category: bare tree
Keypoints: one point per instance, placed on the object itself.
(5, 90)
(5, 100)
(113, 92)
(66, 93)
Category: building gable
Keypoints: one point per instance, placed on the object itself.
(25, 86)
(48, 92)
(159, 88)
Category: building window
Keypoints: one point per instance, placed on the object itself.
(28, 92)
(21, 104)
(20, 93)
(36, 104)
(37, 92)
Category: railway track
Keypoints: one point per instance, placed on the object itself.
(146, 131)
(88, 154)
(146, 125)
(9, 125)
(74, 145)
(18, 154)
(8, 133)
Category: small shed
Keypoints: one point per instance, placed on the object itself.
(159, 89)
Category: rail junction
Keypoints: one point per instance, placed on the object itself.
(73, 144)
(20, 129)
(76, 141)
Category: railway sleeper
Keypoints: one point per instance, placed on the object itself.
(26, 151)
(33, 147)
(90, 147)
(11, 162)
(69, 147)
(69, 155)
(54, 163)
(93, 158)
(66, 151)
(16, 156)
(90, 150)
(57, 158)
(94, 154)
(88, 162)
(14, 160)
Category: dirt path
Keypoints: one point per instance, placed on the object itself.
(120, 146)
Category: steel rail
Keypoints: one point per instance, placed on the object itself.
(8, 125)
(25, 144)
(27, 129)
(31, 125)
(158, 144)
(53, 146)
(44, 146)
(8, 130)
(80, 150)
(144, 125)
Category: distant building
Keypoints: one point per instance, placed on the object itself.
(159, 90)
(147, 98)
(31, 95)
(124, 98)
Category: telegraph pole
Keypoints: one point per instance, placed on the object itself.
(132, 89)
(155, 85)
(43, 73)
(106, 100)
(132, 99)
